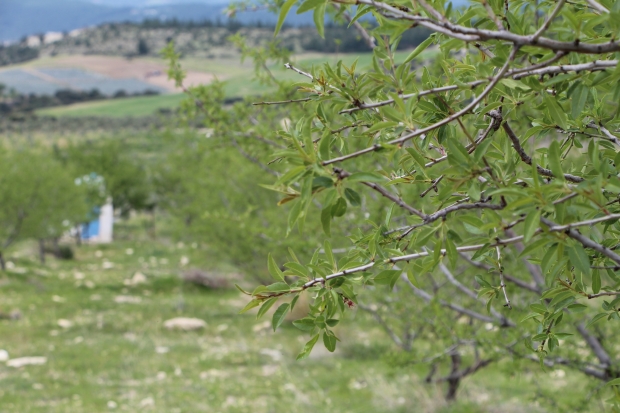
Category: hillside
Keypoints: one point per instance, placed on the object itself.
(19, 18)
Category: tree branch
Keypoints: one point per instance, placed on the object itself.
(442, 122)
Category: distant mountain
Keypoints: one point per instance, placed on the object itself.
(20, 18)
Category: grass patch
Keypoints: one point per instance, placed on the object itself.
(117, 356)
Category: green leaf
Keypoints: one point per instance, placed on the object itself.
(614, 382)
(353, 197)
(339, 208)
(305, 352)
(532, 221)
(596, 281)
(387, 277)
(279, 316)
(553, 156)
(326, 220)
(365, 177)
(266, 306)
(327, 248)
(538, 308)
(556, 111)
(273, 269)
(309, 5)
(278, 287)
(381, 125)
(283, 12)
(578, 100)
(579, 258)
(304, 324)
(329, 341)
(421, 47)
(250, 305)
(596, 318)
(319, 19)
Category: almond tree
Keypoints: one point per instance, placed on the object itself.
(483, 180)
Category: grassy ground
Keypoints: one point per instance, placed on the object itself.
(107, 349)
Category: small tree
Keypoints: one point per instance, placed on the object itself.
(483, 179)
(39, 198)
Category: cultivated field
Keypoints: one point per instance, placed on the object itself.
(238, 79)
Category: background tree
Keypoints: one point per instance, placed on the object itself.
(126, 178)
(39, 198)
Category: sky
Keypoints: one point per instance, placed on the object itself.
(140, 3)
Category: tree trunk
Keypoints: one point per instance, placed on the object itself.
(2, 263)
(42, 251)
(454, 380)
(56, 247)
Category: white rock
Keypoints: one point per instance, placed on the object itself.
(112, 404)
(129, 251)
(78, 275)
(127, 299)
(161, 350)
(184, 261)
(276, 355)
(64, 323)
(10, 265)
(161, 375)
(137, 279)
(58, 299)
(26, 361)
(147, 402)
(184, 323)
(98, 254)
(107, 265)
(4, 355)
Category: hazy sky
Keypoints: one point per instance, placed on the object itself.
(138, 3)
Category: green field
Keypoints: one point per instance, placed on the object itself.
(134, 106)
(238, 81)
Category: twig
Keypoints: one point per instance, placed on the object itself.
(501, 277)
(585, 241)
(598, 7)
(281, 102)
(516, 144)
(301, 72)
(514, 280)
(342, 174)
(471, 294)
(370, 41)
(605, 132)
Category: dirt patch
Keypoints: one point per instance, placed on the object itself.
(146, 70)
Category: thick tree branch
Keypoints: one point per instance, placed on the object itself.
(595, 345)
(474, 34)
